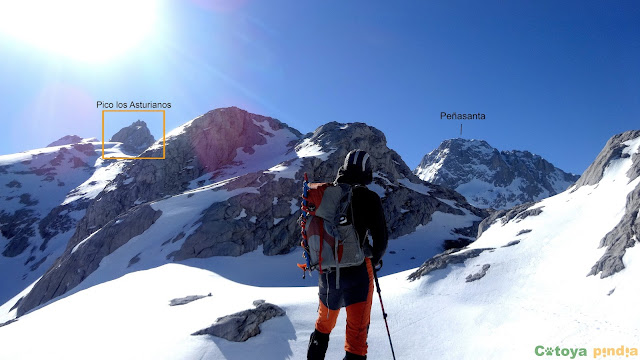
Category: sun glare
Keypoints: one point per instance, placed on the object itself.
(83, 30)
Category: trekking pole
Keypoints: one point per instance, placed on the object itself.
(303, 223)
(384, 314)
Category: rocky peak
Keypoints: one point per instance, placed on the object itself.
(492, 178)
(338, 139)
(454, 155)
(135, 137)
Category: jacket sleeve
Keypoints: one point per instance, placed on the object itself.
(377, 228)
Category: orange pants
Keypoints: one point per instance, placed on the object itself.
(358, 317)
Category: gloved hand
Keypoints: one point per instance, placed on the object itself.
(376, 263)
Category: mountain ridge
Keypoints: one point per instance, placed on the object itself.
(236, 177)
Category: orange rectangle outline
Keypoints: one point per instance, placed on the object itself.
(164, 143)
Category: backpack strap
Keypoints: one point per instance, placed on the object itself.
(335, 256)
(321, 242)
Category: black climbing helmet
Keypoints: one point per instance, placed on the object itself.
(356, 169)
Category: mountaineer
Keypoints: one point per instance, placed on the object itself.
(351, 286)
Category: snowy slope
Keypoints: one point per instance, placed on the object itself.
(491, 178)
(136, 317)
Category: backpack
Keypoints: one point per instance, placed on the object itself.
(330, 239)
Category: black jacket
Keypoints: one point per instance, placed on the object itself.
(368, 219)
(367, 210)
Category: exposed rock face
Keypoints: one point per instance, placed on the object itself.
(8, 322)
(443, 260)
(519, 212)
(135, 137)
(627, 232)
(18, 227)
(60, 220)
(613, 150)
(32, 189)
(244, 324)
(491, 178)
(625, 235)
(511, 243)
(479, 275)
(80, 261)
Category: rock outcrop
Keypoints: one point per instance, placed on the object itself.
(441, 261)
(186, 300)
(243, 325)
(479, 275)
(627, 232)
(613, 150)
(519, 212)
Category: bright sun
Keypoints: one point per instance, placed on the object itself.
(84, 30)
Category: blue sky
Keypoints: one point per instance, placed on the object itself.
(555, 78)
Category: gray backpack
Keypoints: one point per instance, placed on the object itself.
(332, 240)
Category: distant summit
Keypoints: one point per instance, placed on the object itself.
(135, 137)
(490, 178)
(71, 139)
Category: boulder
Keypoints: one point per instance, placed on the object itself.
(243, 325)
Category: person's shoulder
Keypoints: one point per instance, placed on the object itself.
(364, 191)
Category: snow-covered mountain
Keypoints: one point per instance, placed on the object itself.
(71, 139)
(557, 274)
(43, 194)
(489, 178)
(230, 185)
